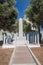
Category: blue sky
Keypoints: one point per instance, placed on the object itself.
(21, 5)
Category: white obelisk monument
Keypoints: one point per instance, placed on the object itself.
(21, 39)
(20, 28)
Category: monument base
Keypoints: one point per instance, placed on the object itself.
(21, 41)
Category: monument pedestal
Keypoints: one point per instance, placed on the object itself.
(21, 41)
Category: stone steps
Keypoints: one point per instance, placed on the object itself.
(24, 64)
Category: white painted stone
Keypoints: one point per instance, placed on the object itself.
(21, 40)
(20, 27)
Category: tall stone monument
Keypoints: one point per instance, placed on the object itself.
(20, 28)
(21, 39)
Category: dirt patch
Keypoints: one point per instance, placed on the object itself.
(5, 55)
(39, 53)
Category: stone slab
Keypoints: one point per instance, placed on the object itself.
(24, 64)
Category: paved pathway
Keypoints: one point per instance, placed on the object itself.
(22, 56)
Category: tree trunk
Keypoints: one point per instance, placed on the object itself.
(39, 34)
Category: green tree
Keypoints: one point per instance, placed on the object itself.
(35, 13)
(8, 14)
(26, 27)
(17, 25)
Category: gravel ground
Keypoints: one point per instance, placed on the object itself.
(5, 55)
(39, 53)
